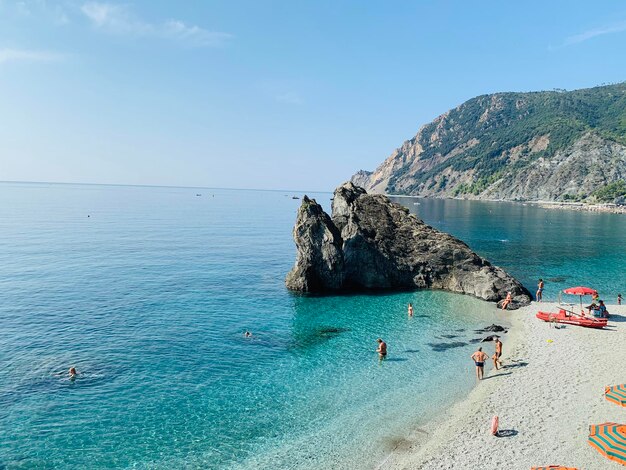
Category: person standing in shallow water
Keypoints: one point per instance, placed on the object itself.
(539, 294)
(382, 349)
(479, 358)
(410, 310)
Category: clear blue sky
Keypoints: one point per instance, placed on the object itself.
(269, 94)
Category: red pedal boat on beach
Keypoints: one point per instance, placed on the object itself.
(572, 318)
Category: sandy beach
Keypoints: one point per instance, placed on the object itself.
(549, 392)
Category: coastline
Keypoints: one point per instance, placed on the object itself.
(546, 397)
(607, 208)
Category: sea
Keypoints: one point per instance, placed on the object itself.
(147, 291)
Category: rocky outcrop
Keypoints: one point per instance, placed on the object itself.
(373, 243)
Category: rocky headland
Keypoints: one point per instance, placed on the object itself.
(373, 243)
(566, 146)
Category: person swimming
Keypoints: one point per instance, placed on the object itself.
(410, 310)
(382, 348)
(72, 373)
(247, 334)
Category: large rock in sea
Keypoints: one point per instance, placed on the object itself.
(373, 243)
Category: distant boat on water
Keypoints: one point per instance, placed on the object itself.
(295, 197)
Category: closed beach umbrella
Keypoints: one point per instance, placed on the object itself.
(580, 290)
(610, 440)
(616, 394)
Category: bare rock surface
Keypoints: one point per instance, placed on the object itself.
(373, 243)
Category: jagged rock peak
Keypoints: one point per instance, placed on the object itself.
(373, 243)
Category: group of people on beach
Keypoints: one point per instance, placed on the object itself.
(479, 357)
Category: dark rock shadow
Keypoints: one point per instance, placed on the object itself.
(412, 350)
(506, 433)
(445, 346)
(395, 359)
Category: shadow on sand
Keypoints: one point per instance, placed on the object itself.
(497, 375)
(514, 365)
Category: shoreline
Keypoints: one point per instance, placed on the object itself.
(607, 208)
(544, 397)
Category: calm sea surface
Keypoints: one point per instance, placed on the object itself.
(147, 291)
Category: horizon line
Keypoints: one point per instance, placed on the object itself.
(158, 186)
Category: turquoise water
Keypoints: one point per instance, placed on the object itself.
(149, 295)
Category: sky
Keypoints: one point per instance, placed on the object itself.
(269, 94)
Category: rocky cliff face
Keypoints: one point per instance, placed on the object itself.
(372, 243)
(514, 146)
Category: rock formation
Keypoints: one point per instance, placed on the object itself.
(373, 243)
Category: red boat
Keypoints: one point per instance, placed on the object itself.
(571, 318)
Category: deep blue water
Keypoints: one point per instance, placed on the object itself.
(147, 291)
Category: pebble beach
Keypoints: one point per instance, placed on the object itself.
(548, 393)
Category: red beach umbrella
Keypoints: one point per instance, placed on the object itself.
(580, 290)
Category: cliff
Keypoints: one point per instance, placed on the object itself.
(373, 243)
(551, 146)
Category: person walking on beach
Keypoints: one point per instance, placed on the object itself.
(539, 294)
(479, 358)
(382, 349)
(507, 301)
(410, 310)
(498, 354)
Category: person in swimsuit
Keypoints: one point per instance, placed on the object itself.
(247, 334)
(619, 299)
(539, 294)
(72, 373)
(410, 310)
(498, 354)
(479, 358)
(382, 348)
(507, 301)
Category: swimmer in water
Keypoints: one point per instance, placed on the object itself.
(382, 349)
(247, 334)
(72, 373)
(410, 310)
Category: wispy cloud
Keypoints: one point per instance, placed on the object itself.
(592, 33)
(118, 19)
(291, 97)
(26, 55)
